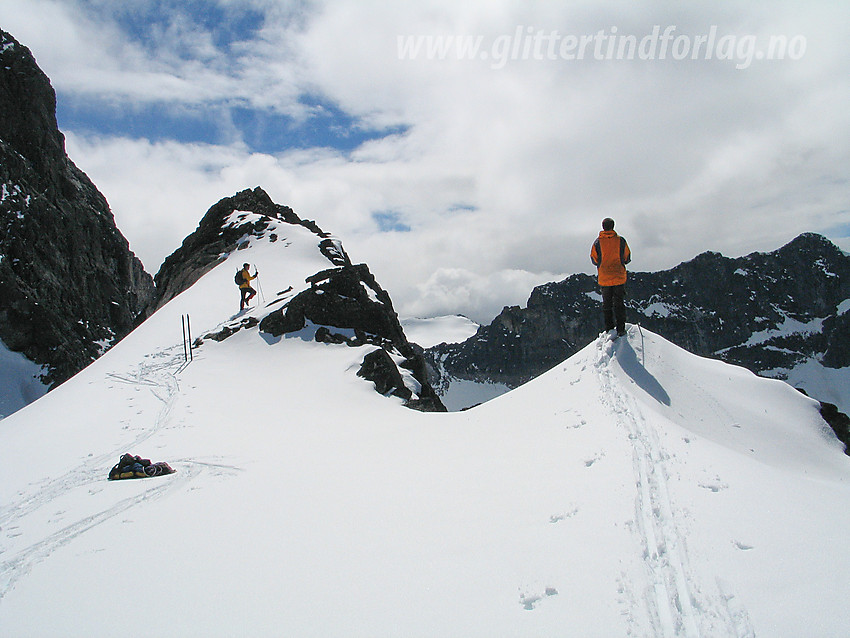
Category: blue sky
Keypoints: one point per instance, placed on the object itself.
(261, 130)
(482, 166)
(228, 29)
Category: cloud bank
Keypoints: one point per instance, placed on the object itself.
(462, 175)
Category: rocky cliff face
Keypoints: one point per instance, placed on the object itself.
(69, 285)
(768, 312)
(342, 304)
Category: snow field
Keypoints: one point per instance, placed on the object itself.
(632, 490)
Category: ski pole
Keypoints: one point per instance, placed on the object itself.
(259, 285)
(642, 346)
(189, 332)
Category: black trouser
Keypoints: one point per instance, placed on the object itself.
(247, 293)
(614, 307)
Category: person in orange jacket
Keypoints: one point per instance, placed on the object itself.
(610, 253)
(245, 287)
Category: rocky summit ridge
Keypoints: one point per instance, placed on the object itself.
(342, 304)
(216, 236)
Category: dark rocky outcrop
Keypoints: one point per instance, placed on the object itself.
(346, 297)
(838, 421)
(379, 368)
(765, 311)
(69, 285)
(348, 306)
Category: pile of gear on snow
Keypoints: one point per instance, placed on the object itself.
(136, 467)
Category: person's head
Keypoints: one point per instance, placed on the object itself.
(607, 224)
(246, 266)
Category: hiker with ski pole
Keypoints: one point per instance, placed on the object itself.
(610, 253)
(243, 279)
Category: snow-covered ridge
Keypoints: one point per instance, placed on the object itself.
(634, 489)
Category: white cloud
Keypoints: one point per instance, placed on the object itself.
(482, 296)
(503, 174)
(85, 51)
(158, 192)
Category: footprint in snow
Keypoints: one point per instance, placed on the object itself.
(589, 462)
(557, 518)
(529, 601)
(715, 485)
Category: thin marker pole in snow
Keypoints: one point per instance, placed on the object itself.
(189, 332)
(187, 338)
(183, 325)
(642, 348)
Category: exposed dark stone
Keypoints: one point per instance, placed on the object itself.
(332, 249)
(324, 335)
(347, 298)
(838, 421)
(69, 285)
(343, 297)
(231, 329)
(379, 368)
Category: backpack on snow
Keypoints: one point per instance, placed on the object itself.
(129, 467)
(239, 278)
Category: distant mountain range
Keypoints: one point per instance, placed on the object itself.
(782, 314)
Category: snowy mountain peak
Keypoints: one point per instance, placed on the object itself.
(229, 225)
(306, 285)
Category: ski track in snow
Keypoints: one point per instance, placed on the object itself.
(161, 379)
(677, 603)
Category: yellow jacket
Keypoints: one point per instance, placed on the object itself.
(246, 278)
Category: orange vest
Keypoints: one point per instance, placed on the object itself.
(610, 253)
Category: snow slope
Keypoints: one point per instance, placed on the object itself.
(635, 489)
